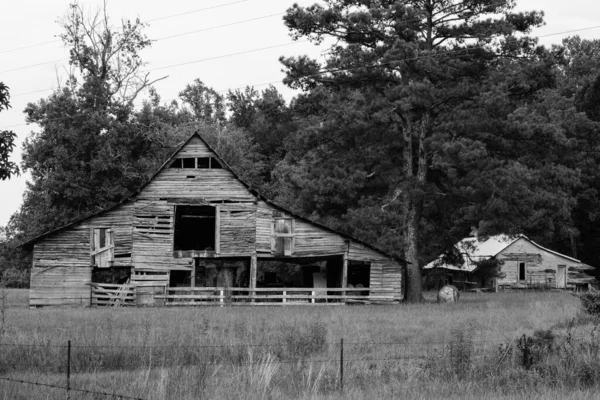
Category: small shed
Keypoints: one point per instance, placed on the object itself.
(196, 234)
(523, 264)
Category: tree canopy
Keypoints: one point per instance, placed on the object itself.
(424, 120)
(7, 139)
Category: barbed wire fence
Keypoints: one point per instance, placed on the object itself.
(72, 358)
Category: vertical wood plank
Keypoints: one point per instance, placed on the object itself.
(92, 258)
(253, 269)
(218, 229)
(193, 273)
(345, 272)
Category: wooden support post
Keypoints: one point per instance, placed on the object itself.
(68, 369)
(253, 269)
(345, 275)
(312, 294)
(193, 274)
(342, 364)
(217, 229)
(283, 299)
(221, 298)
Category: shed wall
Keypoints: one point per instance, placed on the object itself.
(541, 266)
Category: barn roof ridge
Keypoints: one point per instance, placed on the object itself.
(252, 190)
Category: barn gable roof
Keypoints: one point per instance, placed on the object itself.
(253, 191)
(474, 250)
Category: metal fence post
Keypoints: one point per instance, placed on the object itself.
(68, 369)
(342, 364)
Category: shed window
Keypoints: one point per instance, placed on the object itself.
(102, 248)
(195, 228)
(359, 274)
(283, 237)
(522, 270)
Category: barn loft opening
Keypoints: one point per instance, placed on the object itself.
(313, 272)
(196, 163)
(195, 228)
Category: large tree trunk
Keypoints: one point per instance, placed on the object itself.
(412, 203)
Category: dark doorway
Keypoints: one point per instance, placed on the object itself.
(180, 278)
(195, 228)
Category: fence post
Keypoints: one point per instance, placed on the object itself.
(68, 370)
(342, 364)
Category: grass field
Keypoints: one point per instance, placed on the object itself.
(471, 350)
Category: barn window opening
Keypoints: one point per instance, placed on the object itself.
(204, 162)
(176, 163)
(522, 271)
(189, 162)
(195, 228)
(282, 243)
(102, 247)
(196, 162)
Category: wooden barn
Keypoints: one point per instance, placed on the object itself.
(523, 264)
(196, 234)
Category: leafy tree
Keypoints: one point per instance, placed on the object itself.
(90, 152)
(205, 103)
(7, 140)
(406, 65)
(106, 60)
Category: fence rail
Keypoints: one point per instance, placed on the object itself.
(268, 296)
(112, 295)
(147, 293)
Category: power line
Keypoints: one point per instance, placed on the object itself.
(195, 11)
(31, 66)
(227, 55)
(190, 62)
(157, 40)
(150, 20)
(218, 26)
(307, 76)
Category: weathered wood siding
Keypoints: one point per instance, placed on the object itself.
(144, 230)
(153, 233)
(211, 185)
(58, 285)
(237, 229)
(264, 231)
(540, 266)
(386, 279)
(61, 261)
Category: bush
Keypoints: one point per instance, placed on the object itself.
(300, 342)
(591, 303)
(15, 278)
(535, 348)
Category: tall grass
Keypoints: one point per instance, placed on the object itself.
(471, 349)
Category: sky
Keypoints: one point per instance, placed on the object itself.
(228, 44)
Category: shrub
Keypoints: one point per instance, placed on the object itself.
(15, 278)
(302, 342)
(534, 348)
(591, 303)
(461, 350)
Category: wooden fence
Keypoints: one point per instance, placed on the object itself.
(108, 295)
(267, 296)
(112, 295)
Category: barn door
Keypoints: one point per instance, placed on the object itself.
(283, 237)
(103, 248)
(561, 276)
